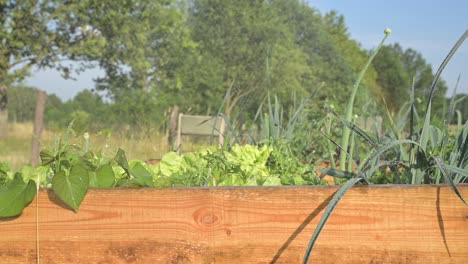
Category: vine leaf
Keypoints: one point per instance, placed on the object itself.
(71, 187)
(103, 177)
(142, 176)
(47, 157)
(16, 195)
(122, 160)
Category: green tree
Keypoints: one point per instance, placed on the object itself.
(396, 70)
(246, 50)
(355, 58)
(55, 116)
(31, 36)
(88, 101)
(24, 42)
(140, 45)
(143, 48)
(331, 56)
(461, 105)
(417, 68)
(22, 103)
(392, 78)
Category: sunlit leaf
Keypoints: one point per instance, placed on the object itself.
(71, 187)
(47, 157)
(16, 195)
(122, 160)
(142, 176)
(105, 176)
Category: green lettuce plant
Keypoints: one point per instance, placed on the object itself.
(70, 170)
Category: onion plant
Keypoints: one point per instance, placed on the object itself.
(349, 111)
(433, 156)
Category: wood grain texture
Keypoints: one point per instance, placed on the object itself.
(379, 224)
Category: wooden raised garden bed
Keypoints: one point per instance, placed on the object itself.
(376, 224)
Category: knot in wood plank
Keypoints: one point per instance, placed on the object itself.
(206, 217)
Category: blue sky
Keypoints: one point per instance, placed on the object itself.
(428, 26)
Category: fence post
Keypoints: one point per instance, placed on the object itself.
(173, 126)
(3, 111)
(38, 126)
(222, 129)
(179, 134)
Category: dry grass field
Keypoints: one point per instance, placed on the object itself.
(16, 148)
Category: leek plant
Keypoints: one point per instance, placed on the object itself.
(432, 158)
(349, 111)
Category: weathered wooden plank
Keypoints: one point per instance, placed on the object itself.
(200, 125)
(380, 224)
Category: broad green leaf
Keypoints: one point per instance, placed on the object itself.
(272, 181)
(71, 187)
(92, 179)
(27, 173)
(79, 160)
(3, 173)
(16, 195)
(143, 177)
(170, 164)
(105, 176)
(3, 169)
(47, 157)
(122, 160)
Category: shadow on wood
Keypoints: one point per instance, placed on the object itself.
(371, 224)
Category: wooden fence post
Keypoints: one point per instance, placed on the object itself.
(179, 134)
(222, 130)
(38, 126)
(173, 125)
(3, 111)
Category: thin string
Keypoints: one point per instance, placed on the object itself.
(37, 220)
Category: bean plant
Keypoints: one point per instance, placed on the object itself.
(71, 169)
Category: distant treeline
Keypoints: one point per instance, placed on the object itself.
(90, 113)
(211, 55)
(87, 110)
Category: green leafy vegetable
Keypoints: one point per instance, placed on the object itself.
(71, 187)
(142, 176)
(16, 195)
(103, 177)
(122, 160)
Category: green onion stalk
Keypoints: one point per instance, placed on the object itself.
(349, 110)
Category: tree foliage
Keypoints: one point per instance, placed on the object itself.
(22, 104)
(34, 34)
(198, 54)
(243, 46)
(397, 68)
(140, 45)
